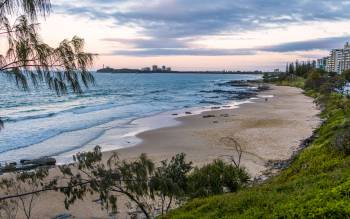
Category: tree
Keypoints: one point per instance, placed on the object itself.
(216, 178)
(238, 150)
(169, 181)
(18, 183)
(346, 75)
(29, 62)
(291, 68)
(138, 180)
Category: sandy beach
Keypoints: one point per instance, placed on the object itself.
(268, 130)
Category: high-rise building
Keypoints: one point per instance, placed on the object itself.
(154, 68)
(321, 63)
(338, 60)
(345, 64)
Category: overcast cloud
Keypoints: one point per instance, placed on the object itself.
(170, 26)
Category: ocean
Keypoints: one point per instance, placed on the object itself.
(110, 114)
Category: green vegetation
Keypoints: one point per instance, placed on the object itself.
(28, 62)
(150, 189)
(216, 178)
(316, 185)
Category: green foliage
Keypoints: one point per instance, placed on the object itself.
(170, 181)
(138, 180)
(284, 79)
(316, 185)
(324, 83)
(31, 8)
(346, 75)
(29, 59)
(215, 178)
(341, 141)
(29, 62)
(23, 182)
(300, 69)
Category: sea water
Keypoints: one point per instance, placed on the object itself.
(40, 123)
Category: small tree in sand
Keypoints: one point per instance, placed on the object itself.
(138, 180)
(238, 150)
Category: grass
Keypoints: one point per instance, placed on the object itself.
(316, 185)
(296, 82)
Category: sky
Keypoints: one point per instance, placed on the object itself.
(201, 34)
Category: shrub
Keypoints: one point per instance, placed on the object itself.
(216, 178)
(341, 141)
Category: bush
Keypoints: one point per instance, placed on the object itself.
(216, 178)
(341, 141)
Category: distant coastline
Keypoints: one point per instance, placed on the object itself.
(127, 70)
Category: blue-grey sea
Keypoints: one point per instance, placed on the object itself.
(39, 123)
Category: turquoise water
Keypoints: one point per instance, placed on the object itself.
(41, 123)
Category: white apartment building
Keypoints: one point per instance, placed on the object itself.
(338, 60)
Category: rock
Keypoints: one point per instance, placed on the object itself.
(208, 116)
(215, 107)
(63, 216)
(43, 161)
(174, 114)
(188, 113)
(24, 161)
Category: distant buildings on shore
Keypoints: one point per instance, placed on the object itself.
(155, 68)
(337, 61)
(165, 69)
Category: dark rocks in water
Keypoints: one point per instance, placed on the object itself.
(188, 113)
(43, 161)
(245, 95)
(220, 91)
(209, 116)
(215, 107)
(224, 115)
(234, 94)
(174, 114)
(28, 164)
(240, 83)
(210, 102)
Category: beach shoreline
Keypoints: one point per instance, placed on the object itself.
(270, 128)
(260, 126)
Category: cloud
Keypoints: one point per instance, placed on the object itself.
(150, 43)
(184, 52)
(184, 18)
(152, 48)
(321, 44)
(169, 26)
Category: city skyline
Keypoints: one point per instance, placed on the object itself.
(205, 35)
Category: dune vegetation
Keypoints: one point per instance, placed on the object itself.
(316, 184)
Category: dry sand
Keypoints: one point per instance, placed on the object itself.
(267, 130)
